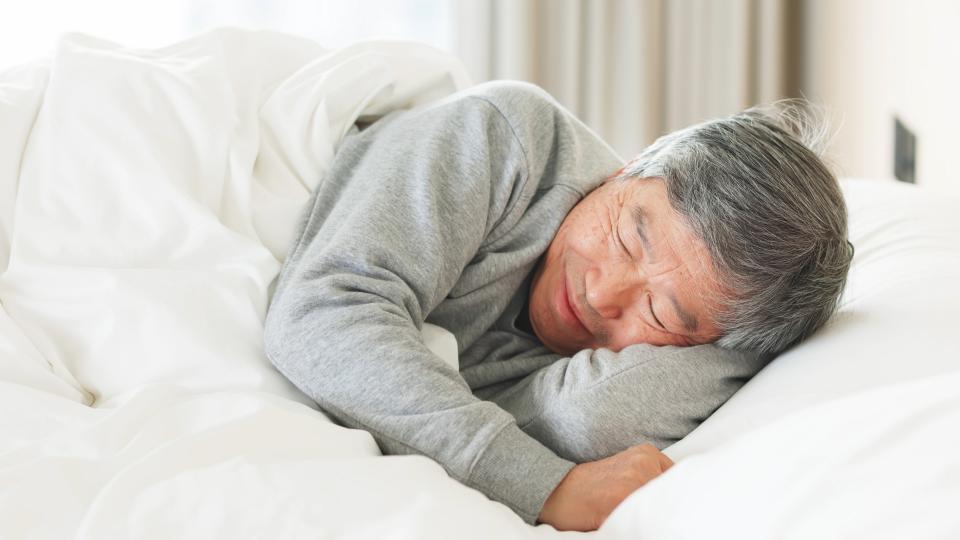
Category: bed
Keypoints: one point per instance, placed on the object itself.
(147, 198)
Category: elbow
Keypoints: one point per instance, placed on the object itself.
(282, 335)
(275, 337)
(299, 336)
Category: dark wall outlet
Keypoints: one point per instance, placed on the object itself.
(904, 152)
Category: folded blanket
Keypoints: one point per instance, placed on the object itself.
(150, 196)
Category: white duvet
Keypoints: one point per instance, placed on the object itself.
(146, 201)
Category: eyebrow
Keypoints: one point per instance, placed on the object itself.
(690, 322)
(640, 220)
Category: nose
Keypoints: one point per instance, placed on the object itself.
(612, 288)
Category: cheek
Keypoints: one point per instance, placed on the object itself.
(625, 334)
(542, 284)
(625, 337)
(587, 238)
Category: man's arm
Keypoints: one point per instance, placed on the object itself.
(598, 406)
(405, 207)
(598, 402)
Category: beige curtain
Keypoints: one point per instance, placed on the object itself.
(635, 69)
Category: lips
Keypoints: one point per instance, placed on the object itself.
(567, 308)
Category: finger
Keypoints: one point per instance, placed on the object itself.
(646, 448)
(665, 461)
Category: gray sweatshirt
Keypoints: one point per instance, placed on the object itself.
(437, 214)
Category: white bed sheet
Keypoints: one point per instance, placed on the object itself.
(146, 199)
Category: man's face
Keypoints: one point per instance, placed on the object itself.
(624, 268)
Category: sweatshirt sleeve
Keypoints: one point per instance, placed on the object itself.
(599, 402)
(406, 205)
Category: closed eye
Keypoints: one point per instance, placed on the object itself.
(653, 313)
(623, 245)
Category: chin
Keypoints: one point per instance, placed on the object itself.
(565, 349)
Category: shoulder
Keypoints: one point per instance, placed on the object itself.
(530, 110)
(514, 97)
(559, 147)
(509, 102)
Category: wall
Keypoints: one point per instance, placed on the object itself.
(868, 60)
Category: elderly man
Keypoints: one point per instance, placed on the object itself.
(582, 292)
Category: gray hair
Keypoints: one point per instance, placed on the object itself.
(754, 188)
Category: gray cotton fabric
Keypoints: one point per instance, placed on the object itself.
(440, 214)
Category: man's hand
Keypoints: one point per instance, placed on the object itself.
(590, 491)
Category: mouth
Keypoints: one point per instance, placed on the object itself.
(567, 307)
